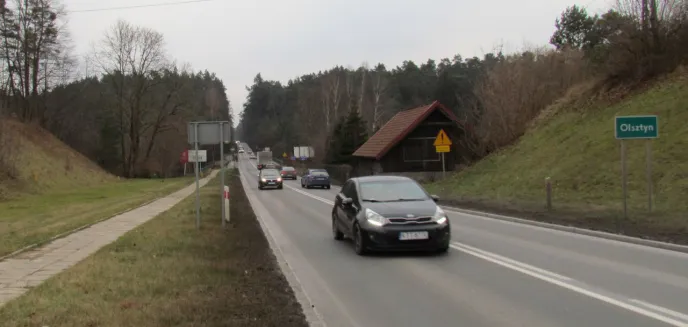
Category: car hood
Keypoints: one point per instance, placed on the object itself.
(402, 209)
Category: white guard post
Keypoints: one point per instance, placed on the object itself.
(226, 196)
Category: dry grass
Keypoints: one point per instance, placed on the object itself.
(34, 161)
(166, 273)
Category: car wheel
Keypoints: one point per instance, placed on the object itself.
(280, 187)
(336, 233)
(328, 187)
(302, 186)
(359, 241)
(443, 249)
(260, 187)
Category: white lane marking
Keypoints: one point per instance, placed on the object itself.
(474, 251)
(663, 310)
(310, 195)
(659, 313)
(544, 277)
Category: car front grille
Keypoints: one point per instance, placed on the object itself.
(410, 221)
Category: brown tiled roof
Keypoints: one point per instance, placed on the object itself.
(396, 129)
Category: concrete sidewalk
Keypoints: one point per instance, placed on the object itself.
(19, 274)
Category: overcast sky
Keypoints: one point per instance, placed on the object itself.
(284, 39)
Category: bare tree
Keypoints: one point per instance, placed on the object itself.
(132, 55)
(362, 92)
(379, 86)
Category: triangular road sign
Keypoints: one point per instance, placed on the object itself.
(442, 139)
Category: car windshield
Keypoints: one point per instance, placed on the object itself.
(388, 191)
(269, 172)
(319, 173)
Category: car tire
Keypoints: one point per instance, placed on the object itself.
(359, 241)
(443, 249)
(260, 187)
(328, 187)
(336, 233)
(302, 186)
(280, 187)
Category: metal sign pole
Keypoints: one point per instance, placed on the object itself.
(648, 154)
(444, 172)
(198, 192)
(222, 174)
(624, 185)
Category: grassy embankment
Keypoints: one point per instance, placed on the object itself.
(576, 148)
(47, 188)
(165, 274)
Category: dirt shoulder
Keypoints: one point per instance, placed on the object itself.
(167, 273)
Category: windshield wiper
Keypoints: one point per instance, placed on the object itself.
(370, 200)
(404, 200)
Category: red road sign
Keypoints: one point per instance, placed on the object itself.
(184, 158)
(226, 194)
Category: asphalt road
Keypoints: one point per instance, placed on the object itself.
(496, 273)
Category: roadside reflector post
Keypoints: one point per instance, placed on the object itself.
(548, 190)
(226, 203)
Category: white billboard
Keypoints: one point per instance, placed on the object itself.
(202, 156)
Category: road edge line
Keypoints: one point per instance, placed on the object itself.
(313, 317)
(575, 230)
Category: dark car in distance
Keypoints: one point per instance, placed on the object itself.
(269, 178)
(316, 178)
(388, 213)
(288, 172)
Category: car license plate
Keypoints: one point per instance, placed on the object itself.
(271, 183)
(406, 236)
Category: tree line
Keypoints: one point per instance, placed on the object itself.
(499, 95)
(125, 105)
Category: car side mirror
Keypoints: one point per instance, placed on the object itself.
(347, 201)
(435, 198)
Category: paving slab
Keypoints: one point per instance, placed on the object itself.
(26, 270)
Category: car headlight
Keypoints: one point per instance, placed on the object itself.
(439, 217)
(279, 179)
(262, 180)
(374, 218)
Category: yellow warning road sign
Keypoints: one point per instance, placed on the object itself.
(442, 139)
(442, 148)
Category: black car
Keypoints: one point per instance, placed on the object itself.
(389, 213)
(316, 178)
(269, 178)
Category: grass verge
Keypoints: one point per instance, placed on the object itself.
(166, 273)
(37, 218)
(577, 150)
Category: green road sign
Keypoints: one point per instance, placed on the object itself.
(636, 127)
